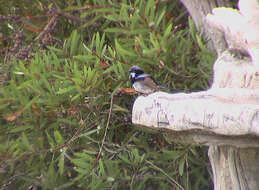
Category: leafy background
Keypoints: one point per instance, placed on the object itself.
(63, 65)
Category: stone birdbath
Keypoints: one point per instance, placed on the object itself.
(226, 116)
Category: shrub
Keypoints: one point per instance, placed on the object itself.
(63, 124)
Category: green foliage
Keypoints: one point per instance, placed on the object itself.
(55, 107)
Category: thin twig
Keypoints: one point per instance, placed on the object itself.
(47, 28)
(159, 169)
(105, 133)
(72, 17)
(181, 15)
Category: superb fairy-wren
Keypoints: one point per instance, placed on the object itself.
(141, 82)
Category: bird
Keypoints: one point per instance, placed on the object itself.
(141, 82)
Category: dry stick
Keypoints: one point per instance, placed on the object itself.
(105, 133)
(72, 17)
(161, 170)
(46, 28)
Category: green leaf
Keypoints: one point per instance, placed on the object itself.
(88, 133)
(26, 142)
(120, 109)
(65, 90)
(149, 6)
(19, 73)
(154, 41)
(85, 165)
(47, 84)
(121, 70)
(102, 171)
(150, 52)
(21, 128)
(74, 42)
(181, 167)
(58, 137)
(117, 30)
(167, 31)
(200, 43)
(91, 152)
(51, 174)
(61, 162)
(192, 29)
(59, 77)
(97, 43)
(172, 154)
(61, 51)
(85, 58)
(123, 51)
(110, 179)
(50, 140)
(28, 105)
(125, 159)
(75, 97)
(160, 17)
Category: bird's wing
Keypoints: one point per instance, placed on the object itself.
(148, 80)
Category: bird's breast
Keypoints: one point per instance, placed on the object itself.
(140, 86)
